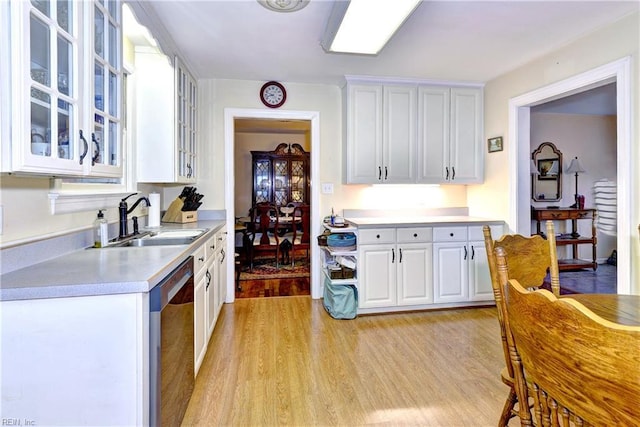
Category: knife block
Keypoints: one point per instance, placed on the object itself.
(175, 213)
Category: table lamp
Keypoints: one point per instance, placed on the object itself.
(576, 168)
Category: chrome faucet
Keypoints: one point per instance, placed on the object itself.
(125, 210)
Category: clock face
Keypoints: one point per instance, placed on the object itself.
(273, 94)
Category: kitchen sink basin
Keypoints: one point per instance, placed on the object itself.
(159, 238)
(150, 241)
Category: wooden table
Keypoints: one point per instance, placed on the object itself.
(623, 309)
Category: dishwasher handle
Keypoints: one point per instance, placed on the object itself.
(164, 291)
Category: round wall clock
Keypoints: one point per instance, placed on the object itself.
(273, 94)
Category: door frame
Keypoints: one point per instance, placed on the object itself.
(230, 114)
(519, 131)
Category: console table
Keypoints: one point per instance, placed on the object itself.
(572, 239)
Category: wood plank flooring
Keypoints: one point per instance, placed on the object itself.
(284, 361)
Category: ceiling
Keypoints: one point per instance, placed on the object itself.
(443, 40)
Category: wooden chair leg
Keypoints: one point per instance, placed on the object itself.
(507, 410)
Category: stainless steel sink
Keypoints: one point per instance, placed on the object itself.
(148, 241)
(160, 238)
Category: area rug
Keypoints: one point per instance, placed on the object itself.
(268, 270)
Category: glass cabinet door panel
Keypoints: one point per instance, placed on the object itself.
(262, 172)
(98, 32)
(65, 121)
(40, 51)
(297, 181)
(65, 56)
(42, 6)
(113, 143)
(281, 182)
(40, 123)
(64, 9)
(98, 90)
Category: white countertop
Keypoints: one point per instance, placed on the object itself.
(417, 221)
(101, 271)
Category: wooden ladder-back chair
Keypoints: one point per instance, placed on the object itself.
(300, 236)
(529, 260)
(580, 367)
(261, 236)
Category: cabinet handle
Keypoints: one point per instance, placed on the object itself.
(415, 234)
(379, 173)
(208, 280)
(189, 170)
(451, 234)
(201, 259)
(386, 173)
(400, 260)
(85, 145)
(224, 255)
(377, 236)
(465, 253)
(453, 174)
(473, 252)
(447, 169)
(96, 153)
(393, 256)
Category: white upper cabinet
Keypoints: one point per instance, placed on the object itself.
(380, 133)
(401, 132)
(166, 137)
(450, 135)
(66, 88)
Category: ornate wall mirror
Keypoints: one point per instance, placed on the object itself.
(546, 179)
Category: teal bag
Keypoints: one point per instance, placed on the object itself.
(340, 300)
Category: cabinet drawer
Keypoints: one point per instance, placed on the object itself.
(414, 235)
(199, 259)
(544, 215)
(376, 235)
(475, 232)
(449, 234)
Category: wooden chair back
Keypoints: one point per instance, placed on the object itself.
(581, 366)
(261, 234)
(300, 237)
(529, 259)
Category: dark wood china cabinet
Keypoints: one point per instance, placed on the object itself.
(281, 176)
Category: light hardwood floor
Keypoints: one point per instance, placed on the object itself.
(284, 361)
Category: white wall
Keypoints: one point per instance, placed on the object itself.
(611, 43)
(216, 95)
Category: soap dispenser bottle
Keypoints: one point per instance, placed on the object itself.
(100, 231)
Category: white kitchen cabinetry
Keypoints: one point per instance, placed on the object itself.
(200, 311)
(166, 99)
(380, 133)
(66, 88)
(221, 257)
(460, 264)
(450, 142)
(395, 267)
(211, 284)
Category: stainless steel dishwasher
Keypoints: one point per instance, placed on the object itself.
(171, 346)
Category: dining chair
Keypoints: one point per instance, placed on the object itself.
(581, 367)
(299, 236)
(261, 236)
(529, 259)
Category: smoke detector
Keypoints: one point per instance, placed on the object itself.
(284, 5)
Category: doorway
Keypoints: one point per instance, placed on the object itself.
(313, 118)
(272, 165)
(618, 72)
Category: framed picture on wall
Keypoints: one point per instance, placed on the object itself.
(494, 144)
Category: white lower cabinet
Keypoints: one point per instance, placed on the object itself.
(461, 271)
(210, 290)
(200, 311)
(395, 267)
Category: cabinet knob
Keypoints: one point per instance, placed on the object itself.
(451, 234)
(415, 234)
(377, 236)
(201, 259)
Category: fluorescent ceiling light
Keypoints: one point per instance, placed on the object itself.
(365, 26)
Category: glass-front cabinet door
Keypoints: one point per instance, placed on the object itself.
(55, 129)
